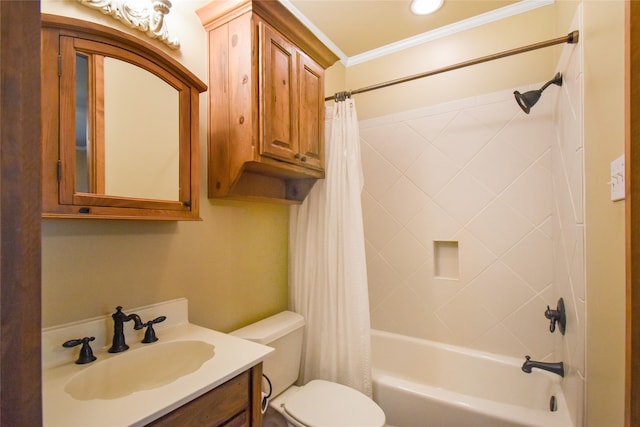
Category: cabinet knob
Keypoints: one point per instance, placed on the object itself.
(297, 155)
(241, 120)
(303, 159)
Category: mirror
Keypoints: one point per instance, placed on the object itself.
(138, 152)
(123, 117)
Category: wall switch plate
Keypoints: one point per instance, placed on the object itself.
(617, 179)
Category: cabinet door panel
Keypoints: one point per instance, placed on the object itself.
(311, 127)
(279, 122)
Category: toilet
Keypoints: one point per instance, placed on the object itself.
(318, 403)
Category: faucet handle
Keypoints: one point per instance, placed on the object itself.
(557, 316)
(86, 354)
(150, 334)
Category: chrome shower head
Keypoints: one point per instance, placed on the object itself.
(528, 99)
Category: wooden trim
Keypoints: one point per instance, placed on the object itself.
(20, 253)
(632, 164)
(255, 395)
(139, 46)
(96, 115)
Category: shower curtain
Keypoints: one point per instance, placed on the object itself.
(328, 275)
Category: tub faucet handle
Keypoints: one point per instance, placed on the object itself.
(557, 316)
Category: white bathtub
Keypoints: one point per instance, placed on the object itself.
(429, 384)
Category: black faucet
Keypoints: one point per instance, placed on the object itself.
(556, 368)
(119, 318)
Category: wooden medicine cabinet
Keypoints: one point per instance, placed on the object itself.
(266, 102)
(120, 126)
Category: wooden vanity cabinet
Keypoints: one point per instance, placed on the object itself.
(266, 102)
(235, 403)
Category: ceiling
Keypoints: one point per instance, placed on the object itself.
(358, 27)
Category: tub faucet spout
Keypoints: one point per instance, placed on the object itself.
(119, 318)
(555, 368)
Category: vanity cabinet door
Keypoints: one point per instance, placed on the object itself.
(234, 403)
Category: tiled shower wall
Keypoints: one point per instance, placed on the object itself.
(475, 174)
(473, 216)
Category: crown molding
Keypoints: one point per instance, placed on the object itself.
(448, 30)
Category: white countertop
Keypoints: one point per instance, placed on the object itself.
(232, 356)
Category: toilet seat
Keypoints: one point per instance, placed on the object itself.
(323, 403)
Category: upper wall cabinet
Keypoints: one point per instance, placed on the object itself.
(266, 102)
(120, 126)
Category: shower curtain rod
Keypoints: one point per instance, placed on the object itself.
(571, 38)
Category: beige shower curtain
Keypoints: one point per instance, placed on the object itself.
(328, 275)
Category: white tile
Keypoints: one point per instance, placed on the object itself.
(434, 291)
(531, 194)
(432, 223)
(464, 197)
(405, 254)
(404, 200)
(431, 126)
(379, 226)
(463, 138)
(499, 227)
(531, 258)
(397, 143)
(379, 174)
(546, 227)
(576, 186)
(407, 309)
(530, 135)
(498, 164)
(474, 256)
(577, 264)
(382, 280)
(466, 319)
(432, 171)
(499, 290)
(497, 111)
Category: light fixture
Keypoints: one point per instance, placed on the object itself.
(425, 7)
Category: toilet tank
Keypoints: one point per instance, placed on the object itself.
(283, 332)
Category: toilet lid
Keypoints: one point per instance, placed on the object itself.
(323, 403)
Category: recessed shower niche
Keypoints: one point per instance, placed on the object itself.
(446, 263)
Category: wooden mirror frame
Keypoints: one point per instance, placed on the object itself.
(59, 198)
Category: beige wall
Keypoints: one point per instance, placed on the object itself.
(605, 273)
(232, 265)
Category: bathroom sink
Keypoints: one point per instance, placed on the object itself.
(140, 369)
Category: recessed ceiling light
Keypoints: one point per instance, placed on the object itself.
(425, 7)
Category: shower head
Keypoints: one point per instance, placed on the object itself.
(528, 99)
